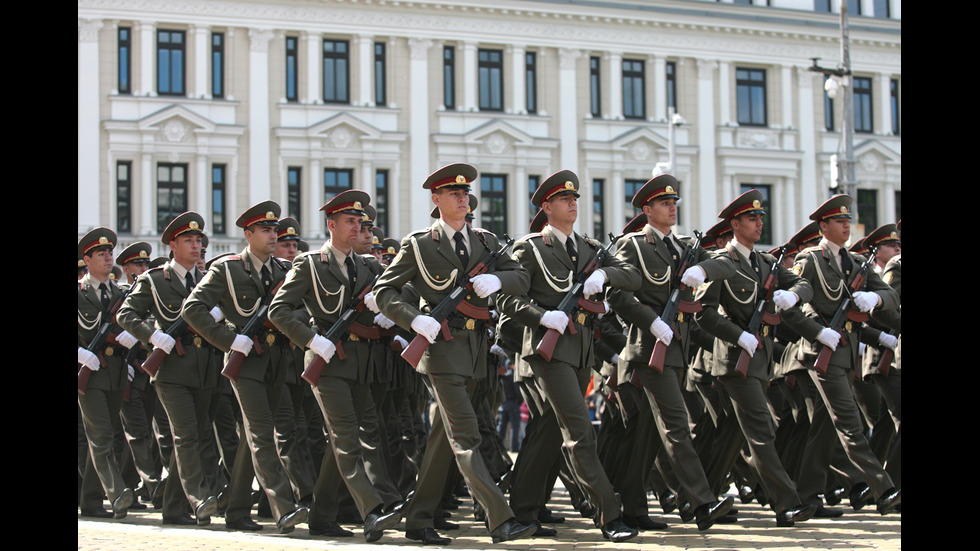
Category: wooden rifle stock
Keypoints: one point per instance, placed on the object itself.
(311, 374)
(844, 310)
(152, 362)
(675, 304)
(760, 316)
(97, 344)
(235, 359)
(885, 359)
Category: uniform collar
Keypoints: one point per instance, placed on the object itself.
(742, 249)
(451, 233)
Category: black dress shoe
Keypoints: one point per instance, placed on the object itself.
(443, 524)
(668, 502)
(396, 506)
(448, 505)
(828, 512)
(726, 519)
(478, 512)
(183, 519)
(378, 521)
(440, 512)
(207, 508)
(306, 501)
(245, 524)
(512, 530)
(889, 501)
(96, 512)
(708, 513)
(222, 498)
(291, 519)
(834, 496)
(544, 532)
(122, 503)
(547, 517)
(617, 530)
(137, 506)
(330, 529)
(860, 496)
(746, 494)
(799, 513)
(686, 512)
(643, 523)
(427, 536)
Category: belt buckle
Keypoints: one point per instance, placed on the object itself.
(848, 326)
(197, 341)
(680, 317)
(581, 318)
(765, 330)
(270, 339)
(470, 324)
(354, 337)
(109, 351)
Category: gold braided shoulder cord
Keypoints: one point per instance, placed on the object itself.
(318, 286)
(429, 280)
(643, 267)
(823, 281)
(548, 276)
(86, 326)
(163, 310)
(755, 289)
(234, 299)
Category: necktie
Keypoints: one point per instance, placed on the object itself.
(845, 262)
(189, 281)
(570, 247)
(464, 256)
(754, 261)
(673, 250)
(351, 271)
(104, 295)
(266, 278)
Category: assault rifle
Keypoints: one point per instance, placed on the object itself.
(675, 305)
(97, 345)
(845, 312)
(234, 364)
(573, 299)
(759, 314)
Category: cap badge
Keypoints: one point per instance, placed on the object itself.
(569, 185)
(357, 205)
(460, 179)
(843, 210)
(757, 204)
(291, 230)
(193, 225)
(270, 215)
(103, 240)
(144, 255)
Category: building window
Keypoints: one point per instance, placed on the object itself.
(171, 193)
(531, 80)
(828, 109)
(898, 205)
(493, 203)
(217, 65)
(490, 64)
(449, 77)
(821, 6)
(767, 206)
(336, 180)
(336, 62)
(671, 80)
(125, 46)
(218, 184)
(595, 88)
(598, 225)
(292, 66)
(381, 198)
(863, 121)
(630, 188)
(124, 196)
(854, 8)
(867, 205)
(532, 185)
(170, 63)
(881, 8)
(380, 88)
(294, 188)
(893, 102)
(634, 104)
(750, 85)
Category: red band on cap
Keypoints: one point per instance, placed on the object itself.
(267, 217)
(458, 180)
(101, 242)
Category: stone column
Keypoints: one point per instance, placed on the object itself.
(614, 63)
(518, 79)
(202, 42)
(89, 198)
(418, 109)
(365, 63)
(147, 64)
(659, 83)
(471, 77)
(259, 169)
(314, 55)
(707, 188)
(805, 201)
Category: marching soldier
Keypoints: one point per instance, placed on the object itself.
(184, 383)
(831, 269)
(658, 253)
(737, 296)
(238, 284)
(553, 258)
(433, 261)
(102, 399)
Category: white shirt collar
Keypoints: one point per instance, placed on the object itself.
(451, 233)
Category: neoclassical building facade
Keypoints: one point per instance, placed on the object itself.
(215, 105)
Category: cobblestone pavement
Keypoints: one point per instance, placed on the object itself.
(756, 529)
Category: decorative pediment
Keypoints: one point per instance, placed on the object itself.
(873, 155)
(176, 124)
(498, 137)
(641, 144)
(343, 131)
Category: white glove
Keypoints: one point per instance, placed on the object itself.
(323, 347)
(891, 341)
(88, 359)
(607, 307)
(384, 322)
(555, 319)
(748, 342)
(594, 283)
(162, 341)
(495, 349)
(130, 373)
(401, 341)
(485, 284)
(217, 314)
(126, 339)
(829, 337)
(242, 344)
(426, 326)
(662, 331)
(371, 303)
(784, 300)
(865, 300)
(615, 359)
(694, 276)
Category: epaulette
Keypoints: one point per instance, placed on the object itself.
(592, 242)
(810, 249)
(281, 262)
(529, 236)
(227, 258)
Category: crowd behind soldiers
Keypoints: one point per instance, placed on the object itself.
(718, 363)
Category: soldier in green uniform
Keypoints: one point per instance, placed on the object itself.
(102, 399)
(238, 284)
(184, 383)
(434, 261)
(658, 253)
(554, 258)
(728, 306)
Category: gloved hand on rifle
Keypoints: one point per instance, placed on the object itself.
(784, 300)
(662, 331)
(88, 359)
(889, 341)
(384, 322)
(371, 303)
(162, 341)
(401, 342)
(242, 344)
(555, 319)
(694, 276)
(126, 339)
(485, 284)
(829, 337)
(426, 326)
(748, 342)
(323, 347)
(594, 283)
(866, 300)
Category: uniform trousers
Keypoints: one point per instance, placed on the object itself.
(98, 408)
(187, 411)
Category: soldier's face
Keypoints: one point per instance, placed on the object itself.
(452, 203)
(788, 261)
(135, 269)
(748, 228)
(376, 253)
(888, 250)
(364, 239)
(287, 249)
(344, 230)
(262, 239)
(99, 263)
(836, 230)
(562, 209)
(187, 249)
(661, 213)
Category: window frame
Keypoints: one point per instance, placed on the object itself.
(751, 86)
(531, 82)
(294, 192)
(124, 58)
(598, 219)
(292, 69)
(181, 53)
(634, 88)
(670, 81)
(164, 218)
(218, 66)
(382, 185)
(490, 79)
(219, 198)
(449, 78)
(490, 197)
(864, 121)
(339, 63)
(124, 198)
(380, 74)
(767, 202)
(595, 87)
